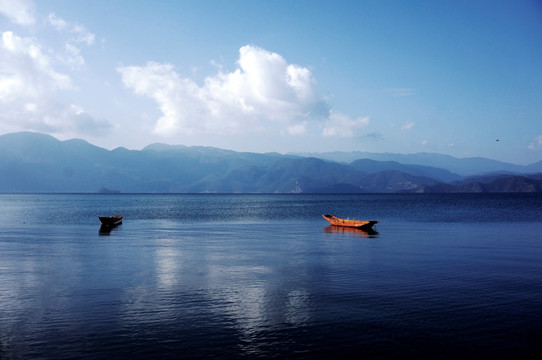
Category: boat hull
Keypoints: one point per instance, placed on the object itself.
(358, 224)
(111, 220)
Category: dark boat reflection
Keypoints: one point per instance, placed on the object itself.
(105, 230)
(351, 232)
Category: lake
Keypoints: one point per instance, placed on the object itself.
(243, 276)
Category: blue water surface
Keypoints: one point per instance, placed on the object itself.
(264, 276)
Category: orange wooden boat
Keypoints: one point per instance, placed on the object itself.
(358, 224)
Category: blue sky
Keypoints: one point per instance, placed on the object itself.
(448, 77)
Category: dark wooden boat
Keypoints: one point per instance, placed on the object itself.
(111, 220)
(358, 224)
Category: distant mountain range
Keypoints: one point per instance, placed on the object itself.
(33, 162)
(461, 166)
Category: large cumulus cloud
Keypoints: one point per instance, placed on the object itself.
(263, 91)
(30, 80)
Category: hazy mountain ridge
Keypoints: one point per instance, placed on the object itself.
(32, 162)
(506, 184)
(461, 166)
(374, 166)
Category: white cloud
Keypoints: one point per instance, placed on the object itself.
(297, 129)
(71, 56)
(536, 143)
(26, 70)
(28, 88)
(57, 22)
(18, 11)
(77, 34)
(407, 126)
(262, 91)
(343, 125)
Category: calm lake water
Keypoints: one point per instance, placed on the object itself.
(263, 276)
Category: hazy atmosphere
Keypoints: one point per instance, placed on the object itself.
(279, 179)
(462, 78)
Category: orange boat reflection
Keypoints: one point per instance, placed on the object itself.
(351, 232)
